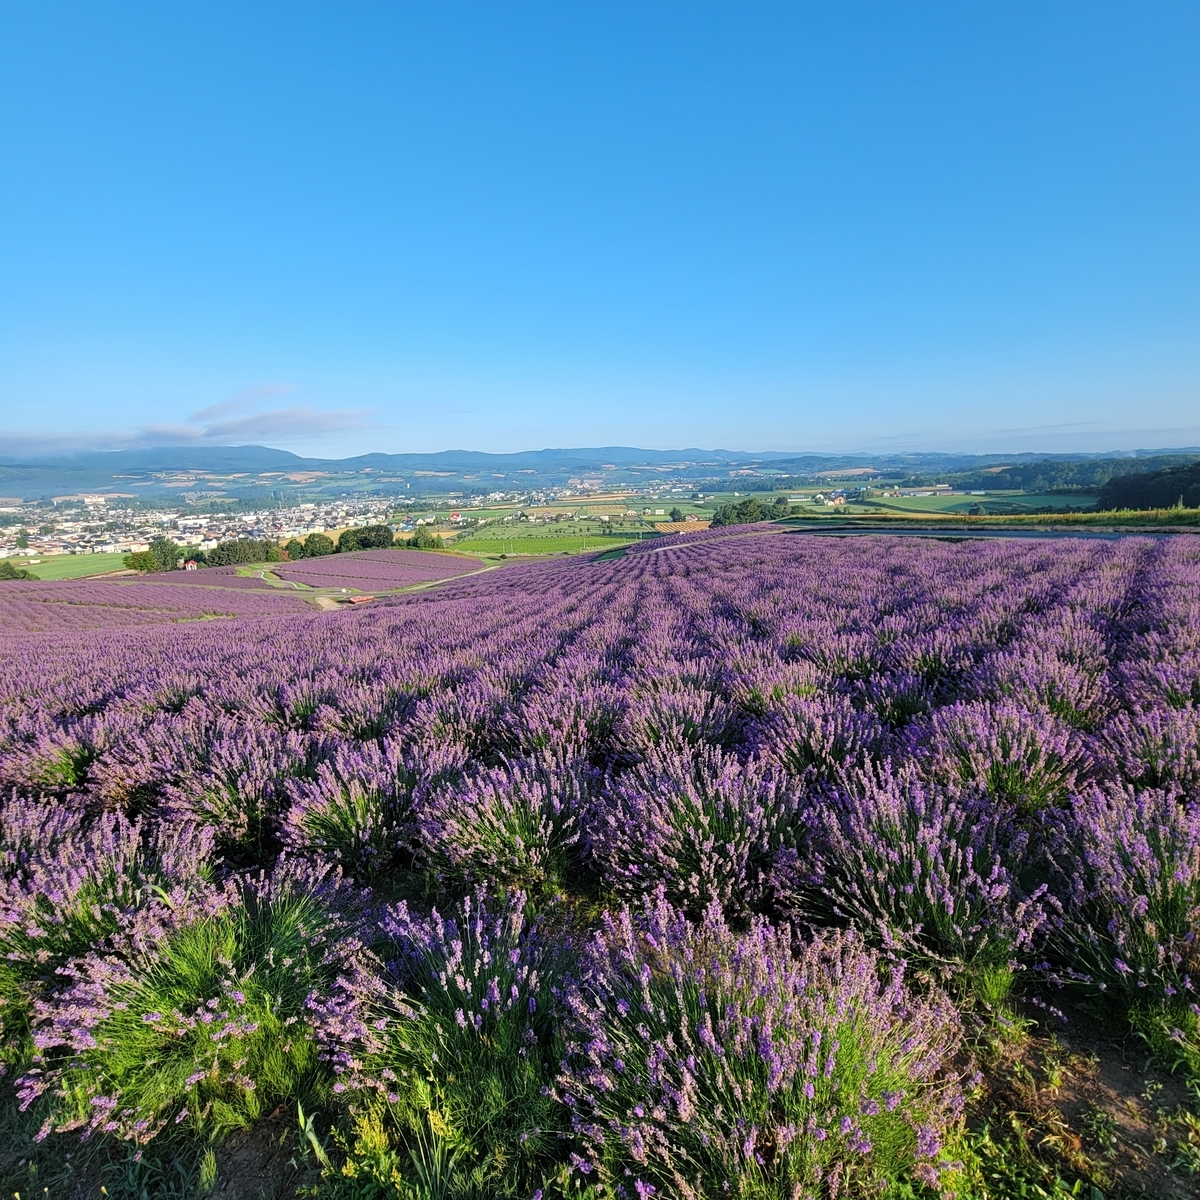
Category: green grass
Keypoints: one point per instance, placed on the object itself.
(544, 539)
(868, 515)
(71, 566)
(993, 503)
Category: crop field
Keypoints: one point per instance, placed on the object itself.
(764, 867)
(68, 606)
(72, 566)
(551, 538)
(367, 570)
(997, 503)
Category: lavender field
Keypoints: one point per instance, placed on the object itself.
(717, 870)
(379, 570)
(74, 605)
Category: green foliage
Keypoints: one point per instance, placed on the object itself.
(676, 514)
(294, 549)
(164, 552)
(209, 1034)
(746, 512)
(317, 545)
(1155, 489)
(1172, 1032)
(8, 571)
(162, 555)
(366, 537)
(244, 550)
(424, 540)
(997, 1169)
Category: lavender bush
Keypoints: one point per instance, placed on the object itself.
(698, 823)
(1159, 748)
(461, 1040)
(194, 1014)
(235, 785)
(69, 885)
(701, 1062)
(1021, 758)
(515, 825)
(359, 810)
(817, 739)
(1128, 875)
(929, 875)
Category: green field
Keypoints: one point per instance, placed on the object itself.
(71, 566)
(543, 539)
(992, 503)
(998, 503)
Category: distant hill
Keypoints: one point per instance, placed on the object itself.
(260, 475)
(1156, 489)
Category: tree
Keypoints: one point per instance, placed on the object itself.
(317, 545)
(424, 540)
(1155, 489)
(23, 540)
(244, 550)
(676, 514)
(294, 549)
(164, 553)
(365, 537)
(8, 571)
(745, 513)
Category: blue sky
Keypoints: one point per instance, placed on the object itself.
(382, 226)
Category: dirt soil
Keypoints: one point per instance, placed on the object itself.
(1094, 1105)
(259, 1165)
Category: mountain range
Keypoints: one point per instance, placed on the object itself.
(264, 473)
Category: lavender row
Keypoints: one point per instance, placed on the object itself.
(377, 569)
(77, 605)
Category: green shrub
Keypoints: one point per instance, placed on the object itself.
(463, 1055)
(8, 571)
(366, 537)
(196, 1017)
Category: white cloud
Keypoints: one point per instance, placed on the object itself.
(296, 423)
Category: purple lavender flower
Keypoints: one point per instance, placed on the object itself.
(744, 1062)
(927, 874)
(515, 825)
(1026, 760)
(699, 823)
(1128, 874)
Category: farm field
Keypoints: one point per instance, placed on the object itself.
(367, 570)
(72, 566)
(744, 865)
(546, 539)
(68, 606)
(1162, 520)
(996, 503)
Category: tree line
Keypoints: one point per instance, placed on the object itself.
(1174, 486)
(746, 512)
(165, 555)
